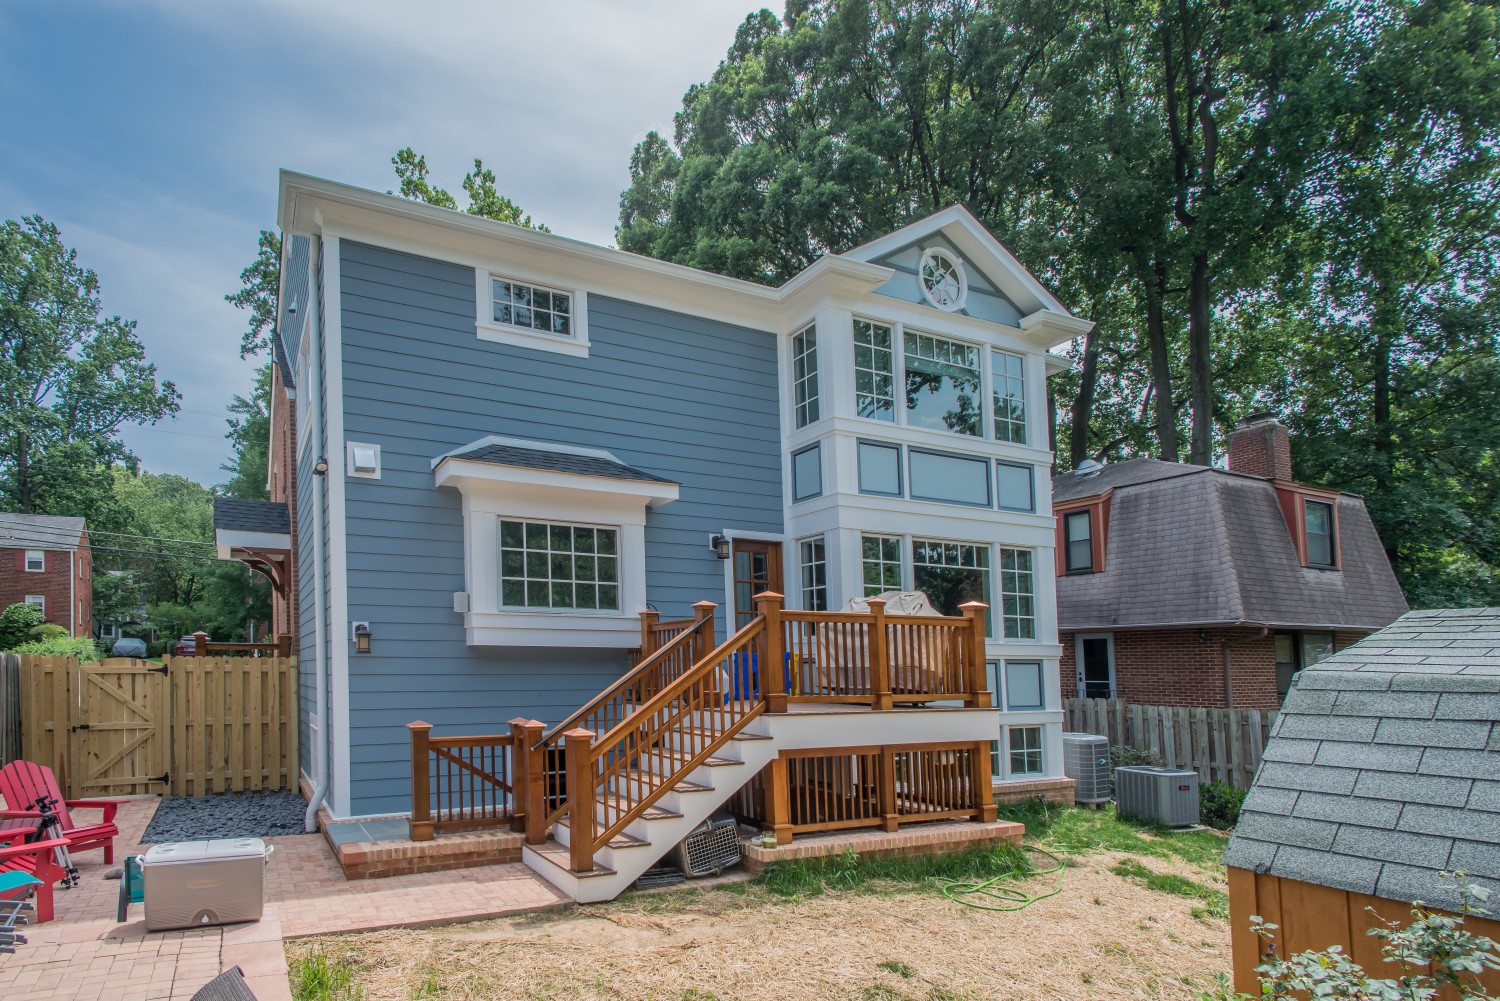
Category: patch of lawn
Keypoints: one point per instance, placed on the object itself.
(1076, 830)
(851, 871)
(316, 977)
(1216, 902)
(899, 969)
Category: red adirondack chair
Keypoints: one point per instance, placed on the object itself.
(37, 859)
(23, 783)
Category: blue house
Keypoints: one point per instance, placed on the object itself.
(507, 445)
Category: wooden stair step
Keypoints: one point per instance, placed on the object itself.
(682, 785)
(623, 805)
(558, 855)
(621, 840)
(684, 756)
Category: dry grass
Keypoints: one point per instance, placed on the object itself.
(1105, 936)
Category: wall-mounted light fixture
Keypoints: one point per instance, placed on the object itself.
(720, 545)
(361, 637)
(320, 468)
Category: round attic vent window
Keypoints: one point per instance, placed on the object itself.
(944, 283)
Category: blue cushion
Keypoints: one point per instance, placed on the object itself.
(16, 880)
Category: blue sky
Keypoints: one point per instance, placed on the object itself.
(151, 131)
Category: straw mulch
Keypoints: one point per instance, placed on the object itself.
(1103, 937)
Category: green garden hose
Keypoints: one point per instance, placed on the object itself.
(1007, 898)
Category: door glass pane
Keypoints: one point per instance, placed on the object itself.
(1096, 683)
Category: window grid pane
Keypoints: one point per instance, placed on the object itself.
(952, 573)
(942, 384)
(1017, 594)
(814, 575)
(874, 371)
(882, 564)
(544, 565)
(1010, 397)
(805, 375)
(1025, 750)
(1079, 553)
(531, 306)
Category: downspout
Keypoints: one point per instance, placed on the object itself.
(1224, 649)
(320, 625)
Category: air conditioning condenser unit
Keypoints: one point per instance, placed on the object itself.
(1166, 796)
(1086, 762)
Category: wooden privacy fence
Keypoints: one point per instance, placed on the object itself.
(1219, 744)
(10, 707)
(189, 726)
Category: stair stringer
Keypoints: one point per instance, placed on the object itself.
(741, 760)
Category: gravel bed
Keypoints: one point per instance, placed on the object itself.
(228, 815)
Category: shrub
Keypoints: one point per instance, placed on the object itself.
(49, 631)
(85, 649)
(1219, 805)
(1121, 756)
(16, 624)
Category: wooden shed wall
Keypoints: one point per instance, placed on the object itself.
(1316, 917)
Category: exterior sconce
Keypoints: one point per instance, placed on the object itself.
(720, 545)
(320, 468)
(361, 637)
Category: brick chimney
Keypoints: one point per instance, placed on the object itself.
(1261, 447)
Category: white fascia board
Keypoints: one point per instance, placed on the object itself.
(1055, 326)
(540, 446)
(465, 474)
(227, 539)
(1056, 364)
(806, 730)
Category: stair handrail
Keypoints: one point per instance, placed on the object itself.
(616, 754)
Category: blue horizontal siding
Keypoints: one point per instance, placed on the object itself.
(689, 399)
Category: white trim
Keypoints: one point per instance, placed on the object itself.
(930, 255)
(42, 553)
(541, 446)
(464, 473)
(486, 328)
(226, 540)
(338, 543)
(1109, 647)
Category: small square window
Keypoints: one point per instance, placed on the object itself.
(807, 473)
(1023, 685)
(36, 561)
(1026, 750)
(1014, 486)
(37, 601)
(531, 307)
(879, 469)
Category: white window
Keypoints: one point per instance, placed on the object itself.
(528, 314)
(944, 281)
(1026, 750)
(1015, 487)
(942, 384)
(1010, 396)
(874, 371)
(951, 479)
(881, 562)
(37, 601)
(1023, 685)
(951, 574)
(807, 473)
(36, 561)
(814, 575)
(879, 469)
(1017, 594)
(805, 375)
(547, 565)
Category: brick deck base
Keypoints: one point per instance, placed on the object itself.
(918, 839)
(1051, 790)
(376, 859)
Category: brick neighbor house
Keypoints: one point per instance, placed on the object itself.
(45, 561)
(1188, 585)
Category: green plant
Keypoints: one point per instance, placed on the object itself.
(852, 871)
(316, 977)
(1434, 952)
(1179, 886)
(16, 624)
(1124, 756)
(49, 631)
(1219, 805)
(899, 969)
(85, 649)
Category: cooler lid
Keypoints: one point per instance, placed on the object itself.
(203, 851)
(224, 848)
(177, 851)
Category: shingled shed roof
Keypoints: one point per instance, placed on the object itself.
(232, 515)
(1383, 769)
(556, 461)
(1191, 545)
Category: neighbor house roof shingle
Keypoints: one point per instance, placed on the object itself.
(232, 515)
(1397, 776)
(1191, 545)
(555, 461)
(39, 531)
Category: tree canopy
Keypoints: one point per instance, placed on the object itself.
(1260, 203)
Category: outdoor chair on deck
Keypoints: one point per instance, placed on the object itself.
(23, 783)
(30, 870)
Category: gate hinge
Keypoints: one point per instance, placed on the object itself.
(78, 726)
(158, 670)
(164, 778)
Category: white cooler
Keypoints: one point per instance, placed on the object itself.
(195, 883)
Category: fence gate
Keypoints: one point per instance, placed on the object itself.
(117, 740)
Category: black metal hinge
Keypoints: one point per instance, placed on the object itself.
(158, 670)
(163, 778)
(79, 726)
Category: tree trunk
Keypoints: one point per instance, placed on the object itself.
(1082, 410)
(1161, 367)
(25, 489)
(1200, 364)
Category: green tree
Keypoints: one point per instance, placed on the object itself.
(250, 438)
(484, 199)
(260, 285)
(70, 378)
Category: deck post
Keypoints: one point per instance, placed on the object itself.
(535, 789)
(520, 772)
(703, 637)
(772, 672)
(579, 750)
(977, 695)
(200, 644)
(648, 632)
(779, 801)
(880, 658)
(979, 778)
(886, 793)
(421, 795)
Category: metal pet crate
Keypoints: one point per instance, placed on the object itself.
(709, 848)
(1086, 762)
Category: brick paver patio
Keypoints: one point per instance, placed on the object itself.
(84, 955)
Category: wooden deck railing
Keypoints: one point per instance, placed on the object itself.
(281, 646)
(463, 783)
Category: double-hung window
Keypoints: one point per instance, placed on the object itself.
(1017, 594)
(1321, 549)
(814, 575)
(805, 375)
(36, 561)
(1078, 542)
(547, 565)
(1010, 396)
(942, 384)
(874, 371)
(1026, 750)
(881, 563)
(952, 573)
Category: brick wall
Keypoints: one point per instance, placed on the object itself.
(1263, 448)
(1174, 667)
(16, 582)
(281, 486)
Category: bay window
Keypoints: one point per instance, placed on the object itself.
(942, 384)
(546, 565)
(952, 573)
(874, 371)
